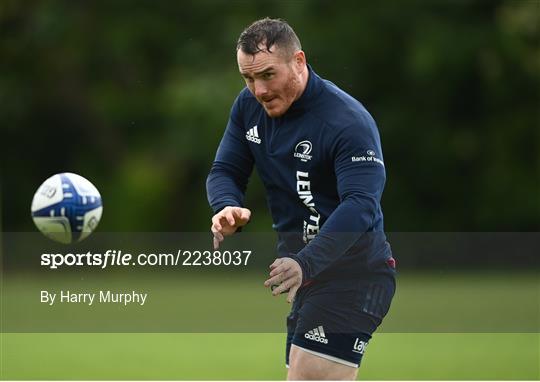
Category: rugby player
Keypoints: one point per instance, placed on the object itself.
(318, 153)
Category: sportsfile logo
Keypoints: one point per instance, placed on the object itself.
(317, 334)
(359, 346)
(253, 135)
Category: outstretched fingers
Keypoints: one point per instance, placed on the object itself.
(277, 277)
(292, 293)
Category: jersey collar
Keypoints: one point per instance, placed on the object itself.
(311, 92)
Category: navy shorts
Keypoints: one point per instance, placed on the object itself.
(335, 319)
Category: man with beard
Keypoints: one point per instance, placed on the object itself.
(318, 153)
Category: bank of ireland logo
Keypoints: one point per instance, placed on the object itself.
(302, 151)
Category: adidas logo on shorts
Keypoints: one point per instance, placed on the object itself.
(317, 334)
(253, 135)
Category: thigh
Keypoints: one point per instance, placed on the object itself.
(307, 366)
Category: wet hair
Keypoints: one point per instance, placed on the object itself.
(266, 33)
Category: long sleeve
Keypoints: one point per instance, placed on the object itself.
(227, 181)
(360, 174)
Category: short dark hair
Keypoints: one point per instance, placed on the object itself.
(268, 32)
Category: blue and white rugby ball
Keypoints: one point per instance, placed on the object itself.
(66, 208)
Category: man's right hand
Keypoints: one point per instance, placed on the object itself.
(227, 221)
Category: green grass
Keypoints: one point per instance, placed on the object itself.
(424, 302)
(260, 356)
(473, 326)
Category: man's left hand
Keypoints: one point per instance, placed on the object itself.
(287, 274)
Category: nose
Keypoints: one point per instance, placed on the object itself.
(259, 89)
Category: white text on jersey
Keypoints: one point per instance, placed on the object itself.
(303, 188)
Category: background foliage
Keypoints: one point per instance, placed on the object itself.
(135, 95)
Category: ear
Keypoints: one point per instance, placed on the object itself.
(300, 59)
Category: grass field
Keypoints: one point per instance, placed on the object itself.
(260, 356)
(465, 318)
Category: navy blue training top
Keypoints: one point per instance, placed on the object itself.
(322, 166)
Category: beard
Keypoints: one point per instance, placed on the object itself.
(291, 88)
(287, 97)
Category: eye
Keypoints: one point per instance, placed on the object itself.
(248, 80)
(267, 76)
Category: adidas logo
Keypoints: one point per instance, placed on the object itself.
(253, 135)
(317, 334)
